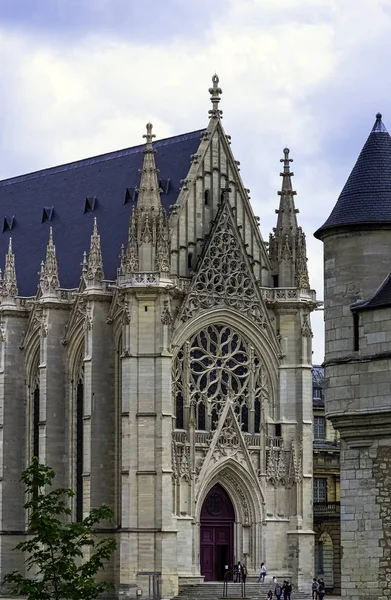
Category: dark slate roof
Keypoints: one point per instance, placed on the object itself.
(380, 299)
(317, 376)
(106, 179)
(366, 197)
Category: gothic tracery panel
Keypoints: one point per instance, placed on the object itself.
(217, 363)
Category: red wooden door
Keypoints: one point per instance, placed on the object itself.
(217, 518)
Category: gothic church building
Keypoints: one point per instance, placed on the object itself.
(156, 352)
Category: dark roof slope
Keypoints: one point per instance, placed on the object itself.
(104, 180)
(380, 299)
(366, 197)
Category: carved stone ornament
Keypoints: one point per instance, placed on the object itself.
(224, 277)
(181, 466)
(9, 287)
(94, 268)
(306, 330)
(2, 330)
(166, 317)
(88, 319)
(49, 270)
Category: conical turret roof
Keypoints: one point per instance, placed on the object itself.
(366, 197)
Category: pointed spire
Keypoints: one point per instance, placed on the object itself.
(9, 287)
(287, 245)
(49, 281)
(94, 272)
(149, 190)
(148, 246)
(215, 92)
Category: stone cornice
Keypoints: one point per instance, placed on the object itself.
(354, 359)
(362, 425)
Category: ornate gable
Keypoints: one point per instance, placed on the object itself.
(227, 443)
(224, 275)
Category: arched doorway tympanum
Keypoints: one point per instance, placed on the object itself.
(217, 533)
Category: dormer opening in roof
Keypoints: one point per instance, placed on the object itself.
(90, 204)
(94, 273)
(47, 214)
(8, 223)
(215, 92)
(49, 281)
(287, 244)
(9, 286)
(148, 241)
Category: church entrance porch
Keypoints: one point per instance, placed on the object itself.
(217, 520)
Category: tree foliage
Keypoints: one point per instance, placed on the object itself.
(63, 557)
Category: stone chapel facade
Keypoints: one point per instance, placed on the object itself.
(171, 379)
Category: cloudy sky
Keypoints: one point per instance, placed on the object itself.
(82, 77)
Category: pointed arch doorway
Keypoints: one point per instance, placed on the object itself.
(217, 534)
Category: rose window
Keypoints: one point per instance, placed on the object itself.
(218, 363)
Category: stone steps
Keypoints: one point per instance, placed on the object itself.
(214, 591)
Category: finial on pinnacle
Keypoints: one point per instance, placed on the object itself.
(10, 246)
(215, 93)
(379, 126)
(149, 136)
(286, 160)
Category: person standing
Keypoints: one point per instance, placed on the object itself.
(321, 590)
(287, 590)
(239, 571)
(278, 591)
(262, 573)
(314, 589)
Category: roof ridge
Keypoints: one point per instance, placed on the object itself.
(98, 158)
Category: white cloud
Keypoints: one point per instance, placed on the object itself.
(277, 60)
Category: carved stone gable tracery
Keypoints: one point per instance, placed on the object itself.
(224, 276)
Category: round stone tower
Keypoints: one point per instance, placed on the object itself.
(357, 281)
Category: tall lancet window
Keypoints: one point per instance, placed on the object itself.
(79, 443)
(34, 409)
(215, 364)
(36, 421)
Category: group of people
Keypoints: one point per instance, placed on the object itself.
(281, 591)
(318, 589)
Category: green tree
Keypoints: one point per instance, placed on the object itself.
(55, 547)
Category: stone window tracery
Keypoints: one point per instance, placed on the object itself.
(217, 363)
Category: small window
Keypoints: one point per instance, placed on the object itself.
(257, 416)
(189, 260)
(201, 416)
(90, 204)
(47, 214)
(207, 197)
(275, 280)
(317, 393)
(356, 332)
(319, 428)
(278, 429)
(131, 195)
(8, 223)
(320, 489)
(179, 411)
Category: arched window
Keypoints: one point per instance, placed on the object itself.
(219, 363)
(36, 421)
(79, 393)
